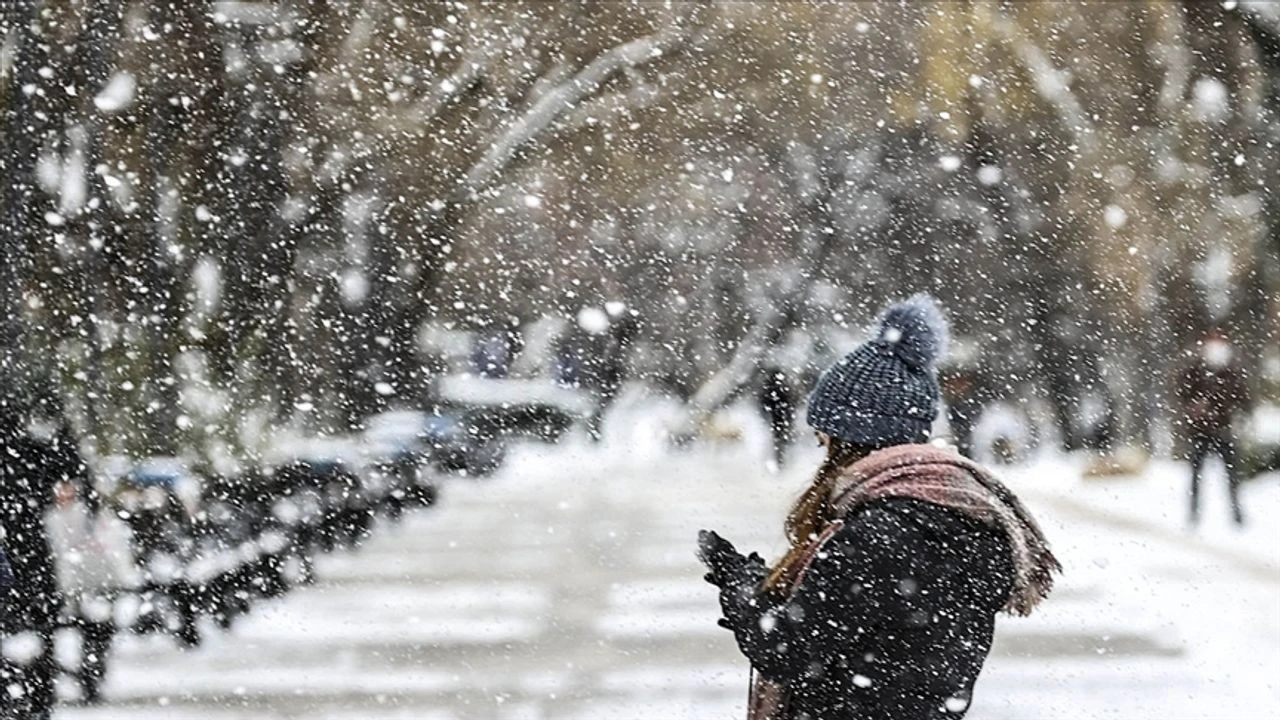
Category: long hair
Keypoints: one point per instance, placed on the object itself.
(812, 509)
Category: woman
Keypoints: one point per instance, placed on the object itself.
(900, 556)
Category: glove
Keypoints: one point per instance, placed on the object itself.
(737, 577)
(721, 558)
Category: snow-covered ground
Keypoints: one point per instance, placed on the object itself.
(566, 587)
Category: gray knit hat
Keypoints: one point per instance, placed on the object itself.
(886, 392)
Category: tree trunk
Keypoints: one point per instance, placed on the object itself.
(102, 27)
(22, 128)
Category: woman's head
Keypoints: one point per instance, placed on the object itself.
(885, 392)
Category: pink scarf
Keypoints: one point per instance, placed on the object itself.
(940, 477)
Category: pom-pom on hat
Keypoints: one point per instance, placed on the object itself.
(885, 392)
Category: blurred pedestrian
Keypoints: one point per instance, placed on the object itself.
(27, 475)
(901, 553)
(160, 524)
(593, 355)
(94, 561)
(1212, 392)
(495, 350)
(965, 391)
(1096, 416)
(777, 402)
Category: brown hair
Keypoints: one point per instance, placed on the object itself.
(812, 509)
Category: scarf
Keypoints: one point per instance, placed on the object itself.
(939, 477)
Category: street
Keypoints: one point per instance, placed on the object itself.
(566, 587)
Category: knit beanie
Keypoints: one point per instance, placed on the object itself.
(885, 392)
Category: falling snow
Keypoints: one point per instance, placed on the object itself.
(374, 360)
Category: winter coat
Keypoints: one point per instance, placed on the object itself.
(588, 361)
(27, 476)
(893, 620)
(1210, 397)
(93, 553)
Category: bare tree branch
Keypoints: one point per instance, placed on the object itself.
(603, 109)
(551, 106)
(562, 71)
(1174, 56)
(1265, 14)
(721, 386)
(1051, 84)
(817, 243)
(475, 63)
(1263, 21)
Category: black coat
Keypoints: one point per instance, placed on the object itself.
(893, 619)
(1211, 397)
(28, 474)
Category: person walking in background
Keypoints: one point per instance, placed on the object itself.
(581, 363)
(1212, 392)
(94, 562)
(966, 394)
(28, 471)
(495, 350)
(593, 356)
(777, 403)
(901, 554)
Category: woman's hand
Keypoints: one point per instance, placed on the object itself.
(738, 577)
(718, 554)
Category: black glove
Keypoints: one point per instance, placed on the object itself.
(738, 577)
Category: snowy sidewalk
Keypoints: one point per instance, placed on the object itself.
(1155, 503)
(566, 587)
(1183, 623)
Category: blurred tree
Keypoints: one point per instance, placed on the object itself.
(24, 123)
(223, 208)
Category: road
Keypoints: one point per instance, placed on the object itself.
(566, 588)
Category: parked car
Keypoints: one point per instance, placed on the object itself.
(504, 407)
(450, 440)
(155, 498)
(396, 453)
